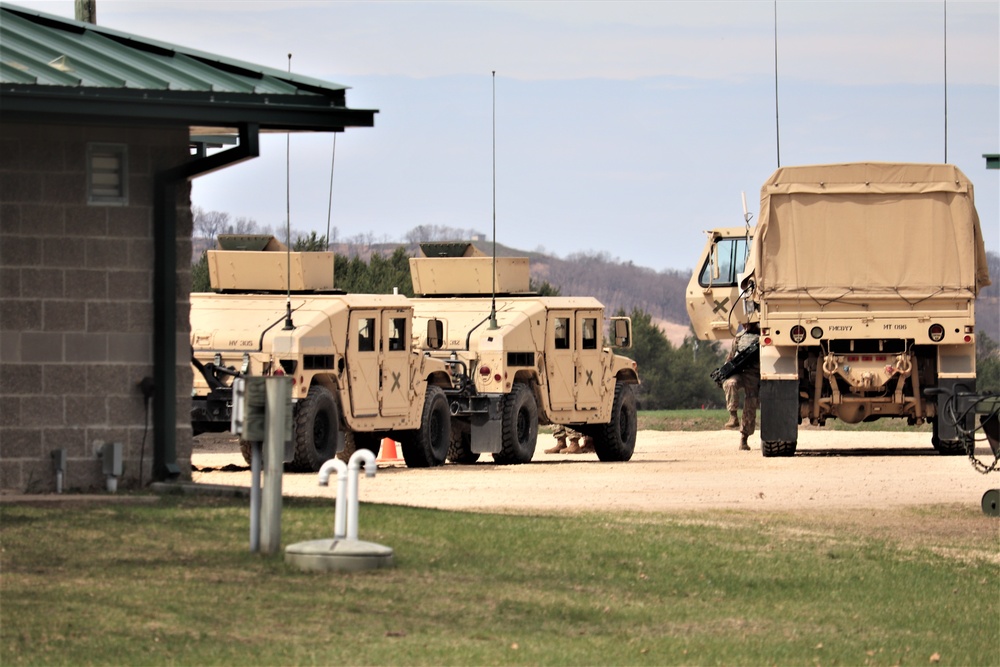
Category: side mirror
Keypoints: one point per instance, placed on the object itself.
(435, 334)
(622, 327)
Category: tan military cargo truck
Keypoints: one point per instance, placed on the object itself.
(863, 278)
(518, 359)
(355, 373)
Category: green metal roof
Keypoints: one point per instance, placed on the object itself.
(57, 68)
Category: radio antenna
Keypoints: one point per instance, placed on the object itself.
(777, 126)
(288, 223)
(329, 207)
(493, 304)
(946, 81)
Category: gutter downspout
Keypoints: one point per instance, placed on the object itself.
(165, 338)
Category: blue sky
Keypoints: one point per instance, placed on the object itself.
(625, 128)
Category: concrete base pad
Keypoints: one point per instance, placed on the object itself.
(338, 555)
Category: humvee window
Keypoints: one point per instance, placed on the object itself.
(366, 335)
(562, 333)
(589, 341)
(725, 264)
(397, 334)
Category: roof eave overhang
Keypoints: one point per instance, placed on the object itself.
(313, 113)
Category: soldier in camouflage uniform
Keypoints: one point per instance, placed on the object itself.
(748, 379)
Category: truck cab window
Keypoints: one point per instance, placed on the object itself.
(731, 256)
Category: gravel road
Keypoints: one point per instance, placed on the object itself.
(669, 471)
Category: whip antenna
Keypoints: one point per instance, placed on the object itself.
(777, 126)
(493, 304)
(288, 223)
(329, 207)
(946, 81)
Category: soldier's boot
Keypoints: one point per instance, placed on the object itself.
(574, 446)
(588, 445)
(559, 446)
(744, 447)
(734, 421)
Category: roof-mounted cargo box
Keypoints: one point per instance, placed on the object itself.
(461, 268)
(259, 263)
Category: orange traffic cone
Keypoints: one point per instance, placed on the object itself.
(387, 452)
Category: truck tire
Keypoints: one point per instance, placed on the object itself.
(946, 447)
(317, 422)
(615, 441)
(779, 417)
(428, 445)
(460, 450)
(519, 428)
(777, 448)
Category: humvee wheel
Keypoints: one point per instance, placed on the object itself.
(520, 426)
(356, 441)
(460, 450)
(428, 445)
(245, 450)
(317, 421)
(615, 441)
(770, 449)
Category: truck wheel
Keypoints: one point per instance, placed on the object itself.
(779, 417)
(428, 446)
(460, 450)
(615, 441)
(770, 449)
(317, 421)
(520, 426)
(946, 447)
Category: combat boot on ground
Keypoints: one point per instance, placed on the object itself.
(588, 445)
(734, 421)
(744, 447)
(574, 446)
(559, 446)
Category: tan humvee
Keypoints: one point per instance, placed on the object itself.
(863, 278)
(355, 372)
(518, 359)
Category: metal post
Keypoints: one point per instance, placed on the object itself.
(255, 465)
(279, 395)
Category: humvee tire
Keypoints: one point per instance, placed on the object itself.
(520, 426)
(615, 441)
(357, 440)
(427, 446)
(317, 420)
(460, 450)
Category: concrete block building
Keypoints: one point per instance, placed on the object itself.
(101, 133)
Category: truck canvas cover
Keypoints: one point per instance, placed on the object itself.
(872, 228)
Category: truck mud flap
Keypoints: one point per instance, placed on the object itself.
(779, 410)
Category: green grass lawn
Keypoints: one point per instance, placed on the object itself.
(172, 582)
